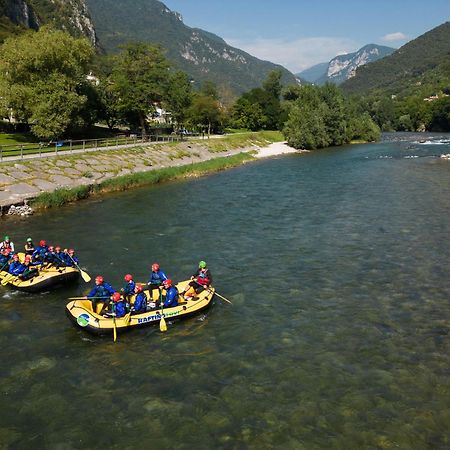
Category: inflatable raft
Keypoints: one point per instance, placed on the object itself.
(81, 314)
(44, 279)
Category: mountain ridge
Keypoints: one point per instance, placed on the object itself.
(406, 66)
(343, 67)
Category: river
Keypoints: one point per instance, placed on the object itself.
(336, 262)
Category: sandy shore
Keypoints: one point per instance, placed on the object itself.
(275, 149)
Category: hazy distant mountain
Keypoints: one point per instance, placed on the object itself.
(425, 59)
(314, 73)
(343, 67)
(203, 55)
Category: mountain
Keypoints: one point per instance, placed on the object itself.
(343, 67)
(422, 60)
(69, 15)
(203, 55)
(313, 73)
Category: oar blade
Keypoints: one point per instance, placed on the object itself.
(162, 325)
(115, 329)
(85, 276)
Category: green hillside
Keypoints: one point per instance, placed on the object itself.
(419, 66)
(203, 55)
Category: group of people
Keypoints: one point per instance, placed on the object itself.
(42, 255)
(118, 303)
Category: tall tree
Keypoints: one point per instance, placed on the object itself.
(43, 78)
(205, 113)
(178, 98)
(140, 76)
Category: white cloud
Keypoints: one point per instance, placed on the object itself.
(392, 37)
(299, 54)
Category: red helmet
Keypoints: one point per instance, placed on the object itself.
(116, 296)
(58, 248)
(128, 277)
(99, 279)
(51, 248)
(155, 267)
(27, 258)
(16, 257)
(42, 243)
(138, 288)
(167, 283)
(71, 251)
(7, 250)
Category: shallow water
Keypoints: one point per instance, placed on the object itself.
(336, 263)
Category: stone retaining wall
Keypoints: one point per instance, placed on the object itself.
(25, 180)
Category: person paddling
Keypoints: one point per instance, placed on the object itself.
(128, 287)
(119, 305)
(4, 259)
(69, 258)
(171, 298)
(201, 280)
(140, 301)
(16, 267)
(156, 279)
(40, 251)
(30, 271)
(8, 244)
(101, 292)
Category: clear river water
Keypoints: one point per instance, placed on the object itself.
(336, 262)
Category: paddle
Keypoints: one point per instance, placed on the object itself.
(162, 322)
(215, 292)
(115, 328)
(83, 274)
(83, 298)
(220, 296)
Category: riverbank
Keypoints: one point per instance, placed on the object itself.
(46, 183)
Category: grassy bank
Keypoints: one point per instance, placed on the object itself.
(62, 196)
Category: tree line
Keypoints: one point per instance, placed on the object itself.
(44, 84)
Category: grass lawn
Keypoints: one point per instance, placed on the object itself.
(16, 138)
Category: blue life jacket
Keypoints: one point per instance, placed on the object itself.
(140, 302)
(128, 288)
(102, 290)
(16, 268)
(40, 252)
(171, 297)
(157, 277)
(120, 308)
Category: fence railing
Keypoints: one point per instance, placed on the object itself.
(42, 150)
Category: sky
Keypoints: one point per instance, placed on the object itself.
(300, 33)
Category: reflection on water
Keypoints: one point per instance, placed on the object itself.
(336, 263)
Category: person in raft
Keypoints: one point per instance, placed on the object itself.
(128, 287)
(40, 251)
(140, 301)
(69, 258)
(4, 259)
(101, 292)
(29, 247)
(200, 280)
(30, 271)
(7, 243)
(119, 306)
(156, 279)
(58, 255)
(171, 298)
(16, 267)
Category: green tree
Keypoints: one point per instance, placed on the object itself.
(43, 77)
(140, 77)
(178, 98)
(204, 113)
(440, 115)
(245, 114)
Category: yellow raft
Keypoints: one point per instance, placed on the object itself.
(46, 277)
(81, 314)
